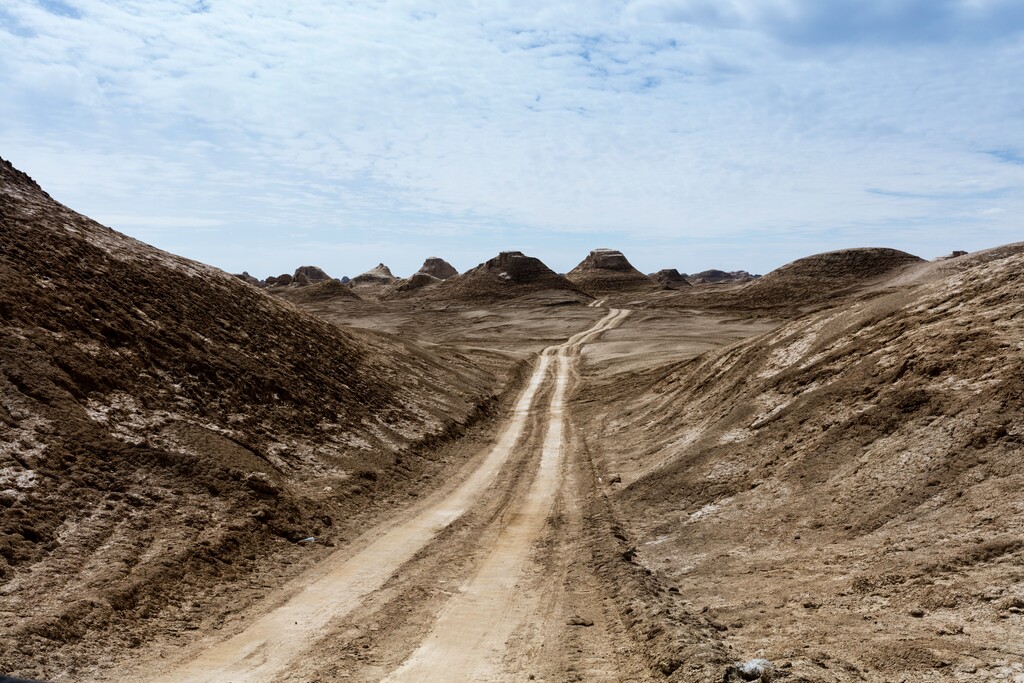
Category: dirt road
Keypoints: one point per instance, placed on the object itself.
(495, 619)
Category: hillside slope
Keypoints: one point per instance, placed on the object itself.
(807, 284)
(167, 429)
(842, 494)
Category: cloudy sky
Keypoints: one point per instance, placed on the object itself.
(263, 134)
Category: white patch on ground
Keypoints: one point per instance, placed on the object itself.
(735, 435)
(17, 478)
(787, 356)
(772, 403)
(658, 541)
(708, 510)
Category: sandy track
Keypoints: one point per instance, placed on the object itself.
(471, 632)
(273, 641)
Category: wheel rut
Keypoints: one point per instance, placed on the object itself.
(471, 632)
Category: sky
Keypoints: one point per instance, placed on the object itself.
(263, 135)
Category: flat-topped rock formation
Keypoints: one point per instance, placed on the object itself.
(607, 271)
(309, 275)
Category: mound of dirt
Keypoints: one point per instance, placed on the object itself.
(510, 274)
(327, 290)
(309, 275)
(374, 283)
(168, 430)
(607, 271)
(715, 276)
(379, 275)
(439, 268)
(805, 285)
(283, 280)
(417, 281)
(245, 277)
(670, 277)
(825, 278)
(843, 491)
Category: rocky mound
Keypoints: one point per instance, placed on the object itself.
(283, 280)
(607, 271)
(309, 275)
(245, 277)
(417, 281)
(670, 277)
(379, 275)
(508, 275)
(328, 290)
(168, 431)
(715, 277)
(806, 284)
(854, 472)
(846, 264)
(825, 277)
(439, 268)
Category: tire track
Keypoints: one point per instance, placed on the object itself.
(473, 627)
(270, 643)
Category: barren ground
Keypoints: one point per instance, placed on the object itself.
(200, 482)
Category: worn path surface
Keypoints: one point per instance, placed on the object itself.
(485, 626)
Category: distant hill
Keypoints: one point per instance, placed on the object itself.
(509, 275)
(607, 271)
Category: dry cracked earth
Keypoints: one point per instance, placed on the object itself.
(508, 474)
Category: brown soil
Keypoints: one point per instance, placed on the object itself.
(839, 495)
(169, 432)
(495, 477)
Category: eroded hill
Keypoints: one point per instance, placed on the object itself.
(842, 493)
(169, 433)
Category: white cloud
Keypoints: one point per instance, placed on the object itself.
(371, 123)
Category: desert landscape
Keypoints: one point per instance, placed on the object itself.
(509, 473)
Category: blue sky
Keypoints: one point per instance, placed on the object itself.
(691, 134)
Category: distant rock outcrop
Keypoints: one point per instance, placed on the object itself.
(508, 275)
(326, 290)
(715, 276)
(379, 275)
(417, 281)
(245, 277)
(438, 268)
(670, 277)
(607, 271)
(282, 280)
(309, 275)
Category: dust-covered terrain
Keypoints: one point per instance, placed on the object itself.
(505, 474)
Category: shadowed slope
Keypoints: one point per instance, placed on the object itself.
(165, 427)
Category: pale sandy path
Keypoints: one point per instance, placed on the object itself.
(470, 634)
(267, 646)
